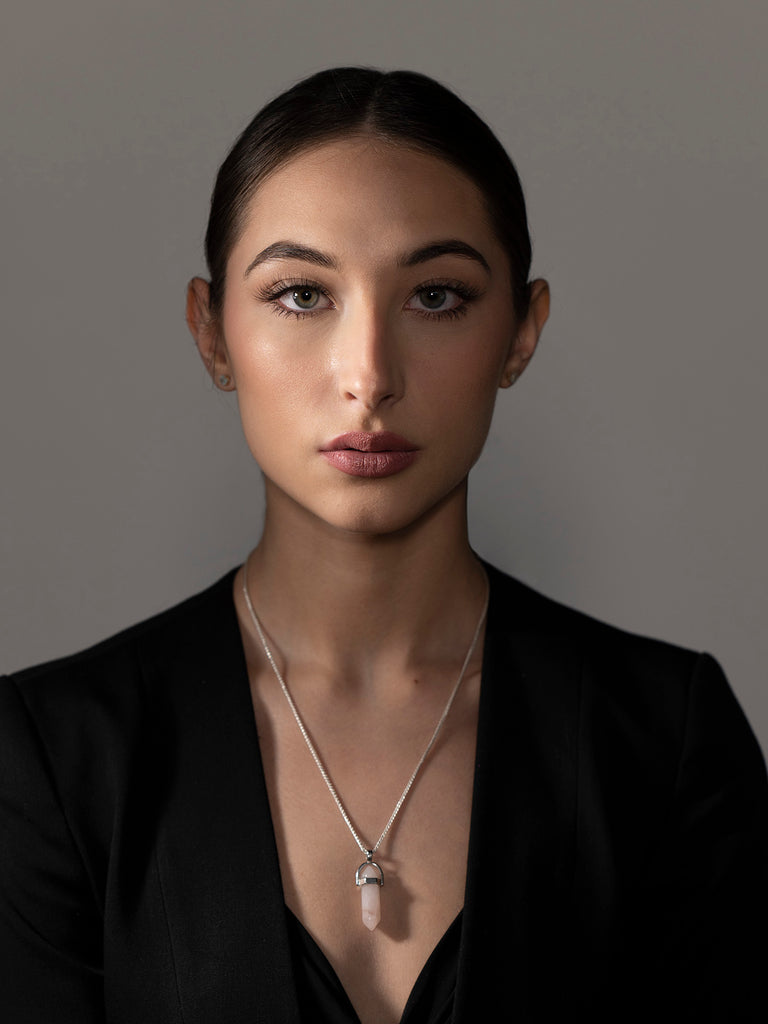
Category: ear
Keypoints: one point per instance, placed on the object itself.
(527, 337)
(204, 328)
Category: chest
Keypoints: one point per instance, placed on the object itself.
(423, 856)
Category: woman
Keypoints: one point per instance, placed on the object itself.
(290, 798)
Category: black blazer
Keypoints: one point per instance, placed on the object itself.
(618, 855)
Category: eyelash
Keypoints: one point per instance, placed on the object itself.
(465, 292)
(272, 293)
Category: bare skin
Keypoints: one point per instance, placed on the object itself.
(371, 732)
(367, 588)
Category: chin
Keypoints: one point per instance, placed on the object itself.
(366, 509)
(387, 516)
(370, 522)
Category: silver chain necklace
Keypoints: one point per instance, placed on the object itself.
(369, 875)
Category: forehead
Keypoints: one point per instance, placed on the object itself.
(364, 198)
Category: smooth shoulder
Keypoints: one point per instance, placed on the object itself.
(117, 657)
(648, 722)
(107, 721)
(625, 685)
(519, 609)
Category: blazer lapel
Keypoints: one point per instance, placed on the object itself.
(216, 855)
(523, 828)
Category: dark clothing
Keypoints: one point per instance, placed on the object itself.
(322, 999)
(618, 852)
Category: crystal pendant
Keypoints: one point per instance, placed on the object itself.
(370, 878)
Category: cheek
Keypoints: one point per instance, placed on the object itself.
(271, 370)
(465, 389)
(458, 403)
(273, 399)
(470, 374)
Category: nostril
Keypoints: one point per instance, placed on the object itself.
(369, 374)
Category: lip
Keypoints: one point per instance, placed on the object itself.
(363, 441)
(371, 455)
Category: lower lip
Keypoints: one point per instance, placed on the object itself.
(373, 465)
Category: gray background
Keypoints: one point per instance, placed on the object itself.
(625, 474)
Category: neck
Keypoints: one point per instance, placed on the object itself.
(367, 607)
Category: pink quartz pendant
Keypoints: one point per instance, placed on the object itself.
(370, 878)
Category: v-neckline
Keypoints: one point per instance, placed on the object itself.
(447, 947)
(454, 929)
(216, 805)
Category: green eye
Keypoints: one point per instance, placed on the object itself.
(442, 300)
(297, 298)
(432, 298)
(305, 298)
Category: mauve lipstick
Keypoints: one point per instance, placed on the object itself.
(372, 455)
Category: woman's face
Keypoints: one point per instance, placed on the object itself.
(367, 325)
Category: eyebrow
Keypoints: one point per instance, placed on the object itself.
(425, 253)
(292, 251)
(444, 247)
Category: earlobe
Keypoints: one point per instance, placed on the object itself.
(204, 328)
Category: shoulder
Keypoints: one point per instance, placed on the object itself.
(99, 724)
(517, 609)
(117, 659)
(642, 723)
(618, 684)
(98, 706)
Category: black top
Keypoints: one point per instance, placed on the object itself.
(618, 851)
(322, 999)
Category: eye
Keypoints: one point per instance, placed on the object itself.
(434, 299)
(442, 299)
(298, 298)
(302, 299)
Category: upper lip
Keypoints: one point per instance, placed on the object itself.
(362, 441)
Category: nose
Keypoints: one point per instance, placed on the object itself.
(368, 360)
